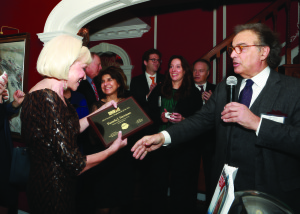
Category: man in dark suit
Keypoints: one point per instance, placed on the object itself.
(201, 71)
(264, 148)
(87, 87)
(144, 88)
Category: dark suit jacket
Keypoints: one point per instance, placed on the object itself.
(86, 89)
(269, 162)
(210, 86)
(139, 89)
(8, 193)
(210, 136)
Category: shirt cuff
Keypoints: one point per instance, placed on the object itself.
(167, 138)
(257, 131)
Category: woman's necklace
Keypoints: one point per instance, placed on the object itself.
(119, 99)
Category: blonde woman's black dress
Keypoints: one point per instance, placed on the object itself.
(50, 129)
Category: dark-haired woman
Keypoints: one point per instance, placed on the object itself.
(177, 167)
(111, 184)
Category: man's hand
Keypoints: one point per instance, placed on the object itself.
(152, 86)
(206, 95)
(147, 144)
(238, 113)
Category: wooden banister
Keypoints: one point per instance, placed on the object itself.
(270, 11)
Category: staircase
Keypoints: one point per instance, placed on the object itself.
(271, 12)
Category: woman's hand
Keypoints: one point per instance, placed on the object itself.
(163, 116)
(118, 143)
(5, 94)
(176, 117)
(108, 104)
(18, 98)
(3, 82)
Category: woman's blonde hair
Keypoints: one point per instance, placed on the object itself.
(59, 54)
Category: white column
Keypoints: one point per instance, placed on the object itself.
(214, 44)
(155, 31)
(224, 37)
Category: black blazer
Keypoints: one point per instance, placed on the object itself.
(210, 86)
(139, 89)
(86, 89)
(269, 162)
(8, 192)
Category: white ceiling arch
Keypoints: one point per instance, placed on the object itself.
(106, 47)
(69, 16)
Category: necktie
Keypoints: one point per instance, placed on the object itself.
(246, 93)
(201, 89)
(152, 78)
(95, 90)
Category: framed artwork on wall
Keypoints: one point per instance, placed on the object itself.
(14, 56)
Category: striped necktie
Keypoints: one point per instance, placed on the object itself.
(95, 90)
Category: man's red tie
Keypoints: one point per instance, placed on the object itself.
(152, 78)
(95, 90)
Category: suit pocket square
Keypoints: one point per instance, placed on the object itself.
(278, 119)
(277, 113)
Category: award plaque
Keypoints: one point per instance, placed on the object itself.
(128, 117)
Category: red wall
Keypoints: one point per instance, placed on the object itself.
(28, 16)
(189, 32)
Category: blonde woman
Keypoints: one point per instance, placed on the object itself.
(50, 127)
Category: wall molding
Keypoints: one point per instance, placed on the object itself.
(69, 16)
(106, 47)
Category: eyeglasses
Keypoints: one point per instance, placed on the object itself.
(239, 48)
(155, 60)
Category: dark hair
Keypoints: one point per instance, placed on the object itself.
(115, 73)
(187, 82)
(266, 38)
(147, 54)
(204, 61)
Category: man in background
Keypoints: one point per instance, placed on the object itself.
(145, 87)
(201, 71)
(87, 87)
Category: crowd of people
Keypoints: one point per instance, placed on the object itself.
(73, 172)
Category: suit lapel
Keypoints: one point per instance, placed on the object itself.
(208, 86)
(237, 90)
(145, 83)
(267, 97)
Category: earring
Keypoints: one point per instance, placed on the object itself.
(65, 85)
